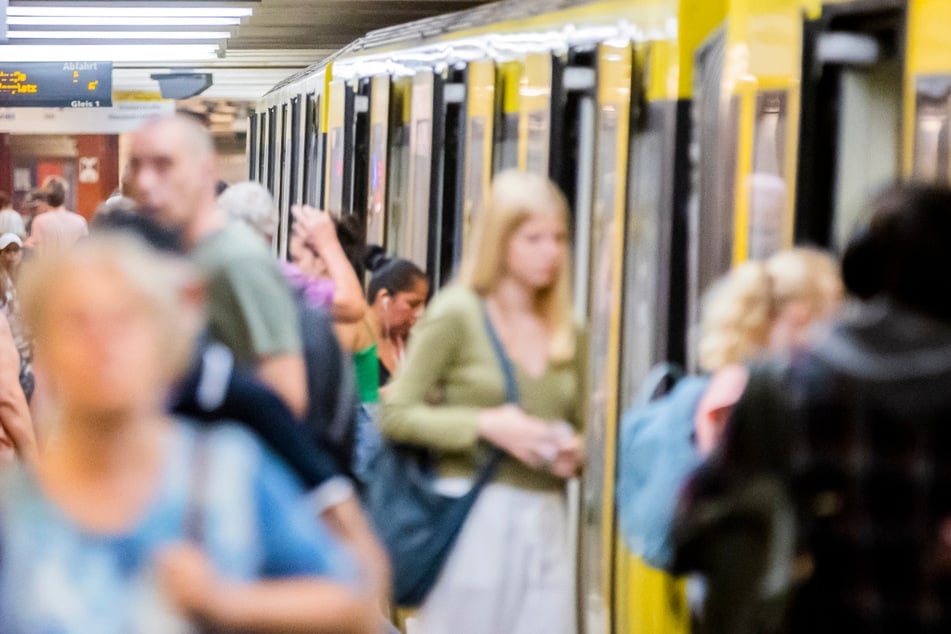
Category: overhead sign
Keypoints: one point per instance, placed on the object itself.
(56, 85)
(123, 116)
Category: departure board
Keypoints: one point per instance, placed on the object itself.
(56, 85)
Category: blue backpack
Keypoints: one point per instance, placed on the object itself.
(657, 453)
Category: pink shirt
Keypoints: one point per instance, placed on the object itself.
(55, 231)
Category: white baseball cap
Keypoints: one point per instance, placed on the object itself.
(10, 238)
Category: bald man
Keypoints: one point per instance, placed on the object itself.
(172, 172)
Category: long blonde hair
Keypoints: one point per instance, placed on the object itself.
(739, 310)
(514, 198)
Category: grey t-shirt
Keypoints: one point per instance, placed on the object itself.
(250, 306)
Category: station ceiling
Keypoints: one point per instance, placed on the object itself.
(279, 38)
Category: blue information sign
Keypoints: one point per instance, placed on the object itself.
(56, 84)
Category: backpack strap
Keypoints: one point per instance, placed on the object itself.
(194, 523)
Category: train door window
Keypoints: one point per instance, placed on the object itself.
(477, 164)
(506, 126)
(253, 143)
(376, 178)
(414, 240)
(283, 174)
(571, 165)
(271, 148)
(360, 163)
(310, 141)
(293, 178)
(850, 143)
(449, 142)
(768, 192)
(398, 167)
(261, 147)
(930, 161)
(339, 150)
(535, 104)
(320, 153)
(715, 121)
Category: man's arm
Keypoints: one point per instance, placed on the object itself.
(286, 374)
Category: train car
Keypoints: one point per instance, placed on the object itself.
(689, 135)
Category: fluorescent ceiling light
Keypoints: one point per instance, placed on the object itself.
(118, 35)
(118, 53)
(158, 12)
(120, 21)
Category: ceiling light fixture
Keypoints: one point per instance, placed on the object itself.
(125, 52)
(120, 21)
(157, 12)
(118, 35)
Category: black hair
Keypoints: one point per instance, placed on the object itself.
(903, 253)
(394, 275)
(352, 237)
(55, 189)
(142, 227)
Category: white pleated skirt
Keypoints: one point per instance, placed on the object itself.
(510, 571)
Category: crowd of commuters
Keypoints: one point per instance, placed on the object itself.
(188, 425)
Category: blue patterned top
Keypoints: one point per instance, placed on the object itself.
(57, 577)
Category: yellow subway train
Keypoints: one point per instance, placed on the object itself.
(687, 134)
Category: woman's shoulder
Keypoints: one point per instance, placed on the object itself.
(454, 301)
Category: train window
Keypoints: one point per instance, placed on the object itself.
(360, 163)
(339, 152)
(932, 109)
(262, 146)
(379, 128)
(415, 238)
(320, 153)
(766, 185)
(310, 141)
(283, 176)
(850, 116)
(449, 141)
(480, 117)
(713, 166)
(398, 172)
(293, 185)
(271, 148)
(253, 146)
(506, 127)
(535, 113)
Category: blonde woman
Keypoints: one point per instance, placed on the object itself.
(510, 570)
(760, 309)
(131, 521)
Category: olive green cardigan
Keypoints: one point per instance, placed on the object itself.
(451, 373)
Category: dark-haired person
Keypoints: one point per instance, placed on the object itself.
(854, 433)
(59, 228)
(397, 295)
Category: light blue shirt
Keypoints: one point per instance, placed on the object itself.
(57, 577)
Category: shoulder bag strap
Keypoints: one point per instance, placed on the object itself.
(511, 394)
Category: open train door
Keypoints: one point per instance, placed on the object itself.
(850, 137)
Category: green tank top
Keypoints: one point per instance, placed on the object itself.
(366, 363)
